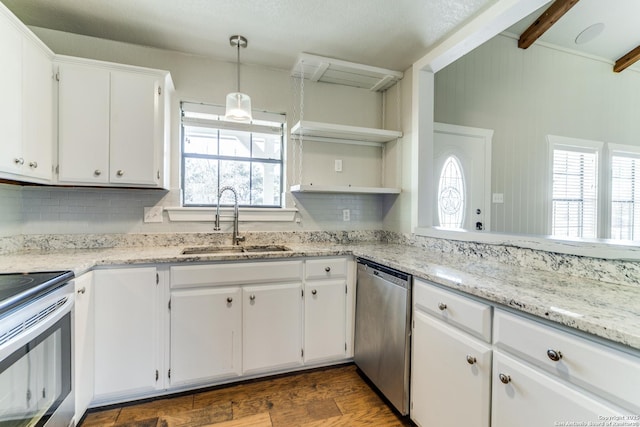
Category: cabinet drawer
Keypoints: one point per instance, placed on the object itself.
(235, 273)
(607, 372)
(467, 314)
(326, 268)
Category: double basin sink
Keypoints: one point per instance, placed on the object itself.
(205, 250)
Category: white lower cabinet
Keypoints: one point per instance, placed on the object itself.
(325, 320)
(271, 327)
(206, 327)
(524, 396)
(128, 350)
(451, 374)
(84, 343)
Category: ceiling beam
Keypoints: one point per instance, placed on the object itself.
(627, 60)
(544, 22)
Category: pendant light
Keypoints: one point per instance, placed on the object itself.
(238, 103)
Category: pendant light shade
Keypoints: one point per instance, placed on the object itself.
(238, 103)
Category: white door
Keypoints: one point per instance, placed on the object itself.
(272, 327)
(462, 168)
(135, 119)
(83, 124)
(11, 159)
(325, 320)
(84, 343)
(451, 376)
(205, 334)
(525, 397)
(37, 119)
(127, 318)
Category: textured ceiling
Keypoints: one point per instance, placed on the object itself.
(384, 33)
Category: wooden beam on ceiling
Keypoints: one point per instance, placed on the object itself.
(627, 60)
(544, 22)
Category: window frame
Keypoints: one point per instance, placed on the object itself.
(618, 150)
(221, 124)
(564, 143)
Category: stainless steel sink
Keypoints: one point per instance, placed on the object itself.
(203, 250)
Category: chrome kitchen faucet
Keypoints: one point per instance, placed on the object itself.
(236, 238)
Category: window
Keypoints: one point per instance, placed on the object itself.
(451, 191)
(574, 187)
(218, 153)
(625, 195)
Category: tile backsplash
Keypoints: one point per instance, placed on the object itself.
(79, 210)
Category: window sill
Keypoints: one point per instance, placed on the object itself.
(178, 214)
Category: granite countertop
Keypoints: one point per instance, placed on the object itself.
(606, 310)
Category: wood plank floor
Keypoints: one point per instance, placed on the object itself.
(336, 396)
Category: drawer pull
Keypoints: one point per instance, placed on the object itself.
(470, 359)
(314, 292)
(252, 297)
(327, 269)
(442, 306)
(229, 300)
(504, 379)
(82, 290)
(554, 355)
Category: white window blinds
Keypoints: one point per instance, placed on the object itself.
(575, 192)
(625, 196)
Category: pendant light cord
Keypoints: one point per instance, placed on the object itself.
(238, 67)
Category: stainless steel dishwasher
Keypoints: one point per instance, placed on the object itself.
(383, 330)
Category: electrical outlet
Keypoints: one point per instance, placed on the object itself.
(153, 214)
(498, 198)
(338, 165)
(346, 215)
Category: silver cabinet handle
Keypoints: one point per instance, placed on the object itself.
(120, 172)
(82, 290)
(314, 292)
(504, 379)
(97, 172)
(33, 165)
(18, 161)
(470, 359)
(554, 355)
(327, 269)
(252, 297)
(442, 306)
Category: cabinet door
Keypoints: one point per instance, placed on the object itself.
(84, 343)
(272, 326)
(135, 129)
(205, 334)
(37, 111)
(325, 320)
(451, 376)
(127, 348)
(527, 397)
(83, 124)
(11, 159)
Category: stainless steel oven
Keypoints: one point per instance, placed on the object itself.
(36, 349)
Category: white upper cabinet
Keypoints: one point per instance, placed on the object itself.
(83, 124)
(111, 124)
(26, 104)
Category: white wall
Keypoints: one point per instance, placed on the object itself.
(397, 161)
(199, 79)
(524, 95)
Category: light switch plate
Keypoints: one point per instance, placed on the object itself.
(498, 198)
(338, 165)
(153, 214)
